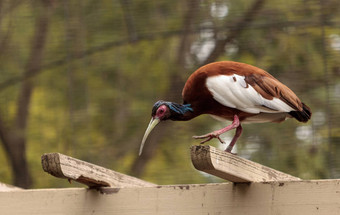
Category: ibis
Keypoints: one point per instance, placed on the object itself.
(231, 91)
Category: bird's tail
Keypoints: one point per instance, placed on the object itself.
(302, 116)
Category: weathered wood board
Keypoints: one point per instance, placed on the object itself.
(232, 167)
(266, 198)
(63, 166)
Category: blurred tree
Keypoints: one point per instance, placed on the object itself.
(13, 136)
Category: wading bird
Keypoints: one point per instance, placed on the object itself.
(232, 91)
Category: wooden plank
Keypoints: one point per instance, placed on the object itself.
(232, 167)
(266, 198)
(63, 166)
(6, 187)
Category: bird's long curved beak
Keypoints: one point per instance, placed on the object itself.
(152, 124)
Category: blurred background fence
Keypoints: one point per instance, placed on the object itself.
(80, 77)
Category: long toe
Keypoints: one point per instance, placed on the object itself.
(206, 137)
(200, 137)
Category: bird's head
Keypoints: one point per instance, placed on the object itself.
(162, 111)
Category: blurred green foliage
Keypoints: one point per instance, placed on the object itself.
(106, 62)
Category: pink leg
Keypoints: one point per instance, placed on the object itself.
(233, 141)
(216, 134)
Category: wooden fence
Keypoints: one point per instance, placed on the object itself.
(254, 189)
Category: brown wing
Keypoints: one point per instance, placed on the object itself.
(269, 87)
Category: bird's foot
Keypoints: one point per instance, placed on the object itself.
(208, 137)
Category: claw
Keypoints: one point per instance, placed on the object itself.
(221, 141)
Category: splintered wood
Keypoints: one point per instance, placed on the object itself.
(63, 166)
(232, 167)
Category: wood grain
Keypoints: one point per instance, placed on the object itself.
(63, 166)
(232, 167)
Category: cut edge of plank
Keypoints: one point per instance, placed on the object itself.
(51, 164)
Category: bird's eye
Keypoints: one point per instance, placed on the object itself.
(161, 111)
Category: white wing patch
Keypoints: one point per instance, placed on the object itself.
(234, 92)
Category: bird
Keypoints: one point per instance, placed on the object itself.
(231, 91)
